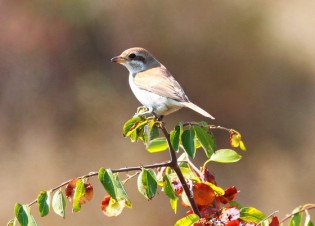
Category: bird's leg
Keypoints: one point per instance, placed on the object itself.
(147, 112)
(158, 117)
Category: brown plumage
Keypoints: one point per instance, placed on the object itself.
(153, 85)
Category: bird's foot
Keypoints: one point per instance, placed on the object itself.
(143, 111)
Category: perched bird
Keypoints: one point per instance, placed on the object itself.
(153, 84)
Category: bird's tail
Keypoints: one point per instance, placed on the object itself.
(197, 109)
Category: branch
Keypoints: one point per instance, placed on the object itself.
(174, 165)
(93, 174)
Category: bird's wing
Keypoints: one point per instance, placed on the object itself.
(159, 81)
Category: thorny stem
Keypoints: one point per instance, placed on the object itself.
(172, 164)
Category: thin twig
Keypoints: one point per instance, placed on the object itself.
(130, 177)
(194, 167)
(209, 126)
(270, 215)
(306, 207)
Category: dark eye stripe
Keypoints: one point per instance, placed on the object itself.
(140, 58)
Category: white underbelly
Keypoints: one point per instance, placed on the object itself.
(160, 105)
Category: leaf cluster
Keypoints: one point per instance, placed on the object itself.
(215, 205)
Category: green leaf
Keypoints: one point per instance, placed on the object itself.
(212, 141)
(233, 203)
(251, 214)
(59, 203)
(43, 201)
(107, 179)
(204, 138)
(157, 145)
(242, 146)
(136, 126)
(129, 124)
(188, 142)
(188, 173)
(168, 188)
(308, 221)
(169, 191)
(225, 156)
(121, 191)
(31, 219)
(20, 214)
(78, 193)
(181, 128)
(296, 219)
(197, 143)
(174, 137)
(217, 189)
(12, 222)
(174, 204)
(203, 123)
(146, 135)
(188, 221)
(147, 184)
(154, 131)
(140, 185)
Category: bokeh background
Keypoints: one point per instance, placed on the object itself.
(63, 103)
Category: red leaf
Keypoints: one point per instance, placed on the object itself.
(274, 221)
(208, 176)
(203, 195)
(202, 222)
(105, 202)
(88, 193)
(233, 223)
(207, 211)
(189, 212)
(229, 195)
(69, 190)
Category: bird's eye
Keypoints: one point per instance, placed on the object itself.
(131, 56)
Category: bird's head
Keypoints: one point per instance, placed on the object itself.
(136, 59)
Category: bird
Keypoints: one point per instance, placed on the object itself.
(153, 85)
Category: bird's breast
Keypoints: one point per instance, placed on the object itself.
(160, 105)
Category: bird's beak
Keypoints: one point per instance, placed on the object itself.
(118, 59)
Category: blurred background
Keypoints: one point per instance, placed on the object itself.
(63, 103)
